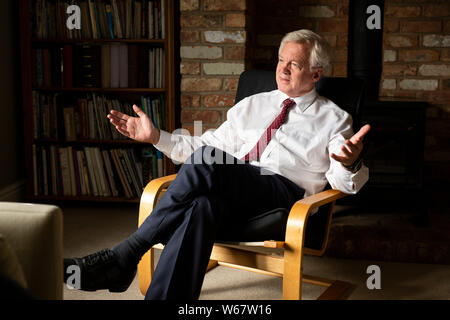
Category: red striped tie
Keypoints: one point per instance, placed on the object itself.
(258, 149)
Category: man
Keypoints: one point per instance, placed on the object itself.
(273, 149)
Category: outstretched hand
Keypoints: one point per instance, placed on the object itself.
(139, 128)
(352, 148)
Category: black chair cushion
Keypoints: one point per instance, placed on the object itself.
(271, 225)
(255, 81)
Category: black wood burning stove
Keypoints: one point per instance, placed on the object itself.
(395, 145)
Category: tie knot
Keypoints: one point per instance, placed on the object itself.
(288, 103)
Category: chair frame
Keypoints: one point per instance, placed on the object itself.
(288, 266)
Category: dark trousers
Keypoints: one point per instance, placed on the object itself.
(209, 200)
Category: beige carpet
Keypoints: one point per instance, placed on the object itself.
(89, 228)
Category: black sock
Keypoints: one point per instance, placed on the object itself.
(130, 251)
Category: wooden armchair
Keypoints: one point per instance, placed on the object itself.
(304, 233)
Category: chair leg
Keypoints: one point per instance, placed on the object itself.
(337, 290)
(212, 264)
(292, 275)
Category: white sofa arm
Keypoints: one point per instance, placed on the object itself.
(35, 233)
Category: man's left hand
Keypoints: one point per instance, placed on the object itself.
(352, 148)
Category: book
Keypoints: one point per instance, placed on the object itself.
(77, 171)
(133, 65)
(87, 182)
(126, 172)
(46, 66)
(123, 65)
(106, 66)
(101, 172)
(87, 66)
(132, 169)
(69, 123)
(67, 66)
(109, 17)
(102, 19)
(81, 182)
(115, 65)
(122, 177)
(73, 185)
(92, 172)
(35, 178)
(93, 18)
(65, 171)
(159, 163)
(54, 170)
(116, 19)
(86, 29)
(109, 173)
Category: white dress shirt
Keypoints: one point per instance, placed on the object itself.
(299, 150)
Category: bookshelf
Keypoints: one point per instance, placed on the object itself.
(122, 54)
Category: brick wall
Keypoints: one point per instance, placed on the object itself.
(212, 52)
(416, 66)
(270, 20)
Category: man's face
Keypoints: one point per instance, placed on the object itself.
(293, 74)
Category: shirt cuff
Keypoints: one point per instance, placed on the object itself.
(358, 178)
(165, 142)
(164, 139)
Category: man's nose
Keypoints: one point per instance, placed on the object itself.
(286, 68)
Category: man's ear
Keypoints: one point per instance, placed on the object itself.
(316, 74)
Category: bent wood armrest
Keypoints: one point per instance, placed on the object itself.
(151, 194)
(294, 240)
(149, 199)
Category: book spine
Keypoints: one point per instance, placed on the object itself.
(81, 180)
(132, 170)
(101, 172)
(110, 20)
(73, 184)
(123, 66)
(35, 178)
(119, 169)
(76, 172)
(54, 170)
(109, 173)
(87, 182)
(126, 172)
(91, 171)
(67, 66)
(115, 61)
(65, 171)
(117, 22)
(44, 171)
(106, 66)
(93, 19)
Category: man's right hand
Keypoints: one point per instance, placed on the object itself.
(139, 128)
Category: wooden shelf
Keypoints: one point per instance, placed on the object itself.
(107, 90)
(93, 41)
(45, 198)
(89, 142)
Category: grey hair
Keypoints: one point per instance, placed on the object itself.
(320, 49)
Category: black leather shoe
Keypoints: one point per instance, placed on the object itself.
(100, 270)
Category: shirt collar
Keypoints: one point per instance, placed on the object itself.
(302, 102)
